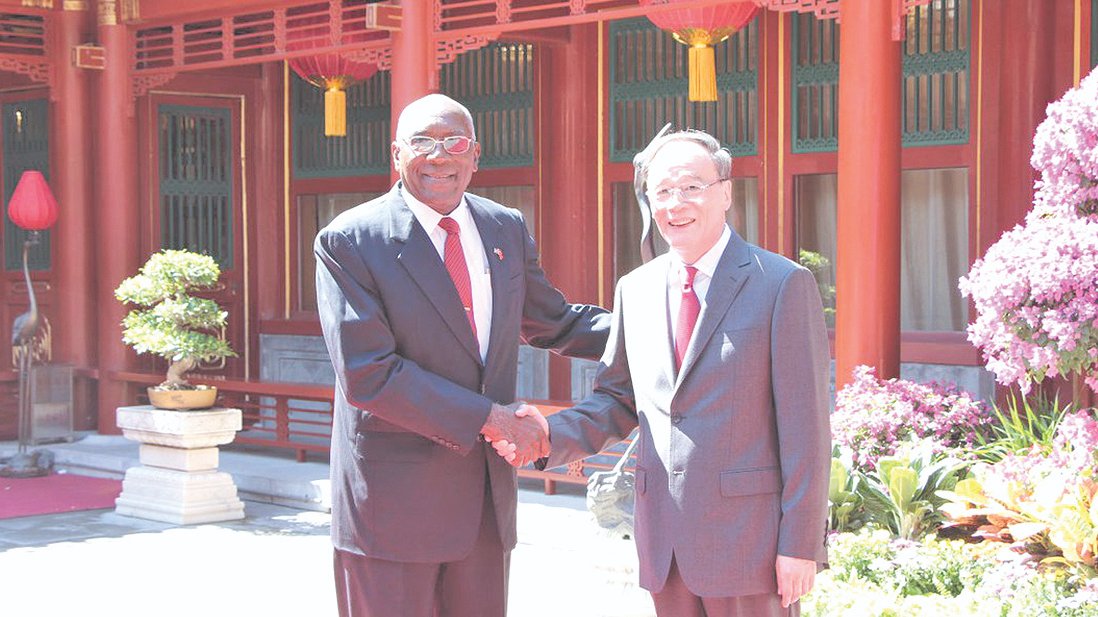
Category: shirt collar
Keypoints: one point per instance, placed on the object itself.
(428, 217)
(707, 263)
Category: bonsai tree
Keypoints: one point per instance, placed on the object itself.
(171, 323)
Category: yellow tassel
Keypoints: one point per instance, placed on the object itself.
(335, 113)
(703, 73)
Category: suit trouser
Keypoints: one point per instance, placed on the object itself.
(474, 586)
(675, 600)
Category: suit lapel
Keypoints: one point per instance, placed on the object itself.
(419, 257)
(728, 280)
(491, 236)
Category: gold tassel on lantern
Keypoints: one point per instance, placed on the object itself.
(335, 112)
(703, 66)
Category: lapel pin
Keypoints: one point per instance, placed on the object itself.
(499, 253)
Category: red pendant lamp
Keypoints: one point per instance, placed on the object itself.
(329, 71)
(32, 206)
(700, 29)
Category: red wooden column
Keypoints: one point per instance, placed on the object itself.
(568, 180)
(116, 220)
(75, 308)
(413, 59)
(867, 330)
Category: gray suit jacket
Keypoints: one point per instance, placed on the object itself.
(734, 451)
(408, 468)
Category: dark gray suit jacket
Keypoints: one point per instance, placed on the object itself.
(408, 467)
(734, 451)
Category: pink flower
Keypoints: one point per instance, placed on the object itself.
(1035, 291)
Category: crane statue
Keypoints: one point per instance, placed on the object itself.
(33, 208)
(29, 342)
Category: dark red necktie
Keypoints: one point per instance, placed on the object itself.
(689, 309)
(454, 257)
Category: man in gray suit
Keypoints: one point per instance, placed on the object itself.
(718, 350)
(424, 295)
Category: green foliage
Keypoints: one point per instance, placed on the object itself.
(173, 324)
(845, 505)
(902, 494)
(874, 574)
(1020, 427)
(817, 264)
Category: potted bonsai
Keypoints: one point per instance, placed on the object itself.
(175, 325)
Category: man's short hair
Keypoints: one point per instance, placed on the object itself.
(432, 101)
(722, 158)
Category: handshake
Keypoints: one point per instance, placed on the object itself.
(518, 432)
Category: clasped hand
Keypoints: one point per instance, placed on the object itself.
(518, 432)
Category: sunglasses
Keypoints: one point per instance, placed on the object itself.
(455, 144)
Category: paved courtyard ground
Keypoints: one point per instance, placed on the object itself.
(277, 562)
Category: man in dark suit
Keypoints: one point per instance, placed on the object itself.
(424, 295)
(718, 351)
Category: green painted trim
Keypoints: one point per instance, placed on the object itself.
(23, 150)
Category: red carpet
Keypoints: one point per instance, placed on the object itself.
(55, 493)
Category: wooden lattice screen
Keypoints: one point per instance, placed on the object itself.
(496, 83)
(196, 180)
(935, 78)
(364, 150)
(648, 88)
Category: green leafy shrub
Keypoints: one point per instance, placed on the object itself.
(901, 495)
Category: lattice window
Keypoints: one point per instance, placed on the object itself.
(22, 35)
(935, 78)
(365, 149)
(26, 146)
(648, 88)
(936, 70)
(496, 83)
(196, 180)
(815, 87)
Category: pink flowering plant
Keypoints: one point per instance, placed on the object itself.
(875, 418)
(1035, 291)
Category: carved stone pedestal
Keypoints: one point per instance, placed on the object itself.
(178, 481)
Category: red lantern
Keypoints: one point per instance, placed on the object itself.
(329, 71)
(32, 206)
(700, 29)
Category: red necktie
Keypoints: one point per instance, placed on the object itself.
(689, 309)
(454, 257)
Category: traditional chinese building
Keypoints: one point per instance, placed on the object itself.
(891, 137)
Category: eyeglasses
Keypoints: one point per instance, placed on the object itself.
(455, 144)
(690, 192)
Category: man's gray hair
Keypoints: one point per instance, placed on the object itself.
(722, 158)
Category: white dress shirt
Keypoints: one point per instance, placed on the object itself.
(676, 276)
(480, 278)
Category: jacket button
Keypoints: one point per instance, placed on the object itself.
(676, 418)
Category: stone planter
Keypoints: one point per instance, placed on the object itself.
(178, 481)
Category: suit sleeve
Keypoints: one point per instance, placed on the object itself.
(605, 417)
(369, 372)
(550, 322)
(800, 368)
